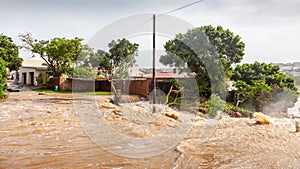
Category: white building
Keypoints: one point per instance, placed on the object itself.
(30, 70)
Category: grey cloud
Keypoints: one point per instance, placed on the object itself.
(259, 22)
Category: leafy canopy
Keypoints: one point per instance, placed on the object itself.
(96, 59)
(260, 84)
(59, 53)
(207, 52)
(270, 74)
(120, 57)
(9, 53)
(9, 58)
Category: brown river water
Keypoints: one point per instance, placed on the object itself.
(44, 131)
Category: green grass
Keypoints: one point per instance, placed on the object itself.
(70, 92)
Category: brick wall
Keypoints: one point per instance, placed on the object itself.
(139, 87)
(133, 87)
(68, 84)
(130, 87)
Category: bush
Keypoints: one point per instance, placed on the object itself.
(43, 80)
(243, 111)
(215, 104)
(3, 76)
(100, 77)
(82, 72)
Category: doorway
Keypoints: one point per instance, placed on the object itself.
(31, 78)
(24, 80)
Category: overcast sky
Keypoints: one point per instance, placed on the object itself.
(270, 28)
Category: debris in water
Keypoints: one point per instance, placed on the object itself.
(117, 112)
(172, 114)
(234, 114)
(297, 126)
(108, 106)
(262, 118)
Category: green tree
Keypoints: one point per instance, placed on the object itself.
(105, 63)
(268, 73)
(9, 53)
(121, 56)
(59, 53)
(207, 52)
(117, 61)
(9, 58)
(260, 84)
(257, 94)
(96, 58)
(84, 56)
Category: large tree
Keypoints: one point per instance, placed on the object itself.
(117, 61)
(58, 53)
(9, 53)
(9, 58)
(260, 84)
(208, 53)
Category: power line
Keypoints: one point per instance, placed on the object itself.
(182, 7)
(135, 27)
(171, 11)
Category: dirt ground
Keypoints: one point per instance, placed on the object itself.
(49, 131)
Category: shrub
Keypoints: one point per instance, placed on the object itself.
(82, 72)
(243, 111)
(43, 80)
(100, 77)
(3, 76)
(214, 104)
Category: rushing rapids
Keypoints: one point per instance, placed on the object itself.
(44, 131)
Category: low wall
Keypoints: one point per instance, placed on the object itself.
(68, 84)
(131, 87)
(134, 87)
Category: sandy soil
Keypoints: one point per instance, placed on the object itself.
(44, 131)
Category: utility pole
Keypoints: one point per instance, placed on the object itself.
(153, 70)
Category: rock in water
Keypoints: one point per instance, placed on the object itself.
(297, 126)
(262, 118)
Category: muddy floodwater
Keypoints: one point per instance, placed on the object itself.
(48, 131)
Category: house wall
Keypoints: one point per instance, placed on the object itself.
(28, 77)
